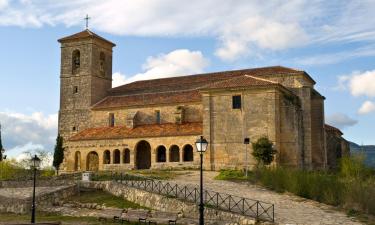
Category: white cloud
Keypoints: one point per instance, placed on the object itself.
(358, 83)
(367, 107)
(118, 79)
(363, 84)
(241, 27)
(21, 132)
(176, 63)
(340, 120)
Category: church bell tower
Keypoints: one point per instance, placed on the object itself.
(86, 76)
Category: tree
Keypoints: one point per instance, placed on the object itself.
(263, 151)
(58, 155)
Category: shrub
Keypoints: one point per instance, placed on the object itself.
(263, 151)
(354, 167)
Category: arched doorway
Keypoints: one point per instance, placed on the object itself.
(92, 161)
(174, 153)
(126, 156)
(161, 155)
(106, 157)
(77, 161)
(116, 156)
(143, 155)
(188, 154)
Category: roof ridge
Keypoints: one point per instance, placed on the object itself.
(292, 70)
(262, 79)
(160, 92)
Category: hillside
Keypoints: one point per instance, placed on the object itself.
(367, 150)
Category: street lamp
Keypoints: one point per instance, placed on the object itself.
(246, 141)
(2, 156)
(35, 163)
(201, 145)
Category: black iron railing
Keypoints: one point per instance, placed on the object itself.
(226, 202)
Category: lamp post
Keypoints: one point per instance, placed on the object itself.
(35, 162)
(246, 141)
(201, 145)
(2, 156)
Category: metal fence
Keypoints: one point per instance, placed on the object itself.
(226, 202)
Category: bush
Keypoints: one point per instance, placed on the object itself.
(263, 151)
(353, 167)
(9, 170)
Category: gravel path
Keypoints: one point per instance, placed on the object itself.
(289, 209)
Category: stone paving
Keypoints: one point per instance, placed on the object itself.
(289, 209)
(23, 193)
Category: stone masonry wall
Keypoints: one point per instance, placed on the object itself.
(91, 85)
(318, 146)
(147, 114)
(22, 206)
(226, 127)
(99, 146)
(289, 152)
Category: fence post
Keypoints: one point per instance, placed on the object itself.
(273, 213)
(257, 210)
(217, 200)
(176, 191)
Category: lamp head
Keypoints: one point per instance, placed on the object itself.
(201, 144)
(35, 162)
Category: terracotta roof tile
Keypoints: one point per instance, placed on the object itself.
(148, 99)
(241, 81)
(330, 128)
(84, 34)
(152, 130)
(193, 82)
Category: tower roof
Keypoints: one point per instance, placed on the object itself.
(84, 34)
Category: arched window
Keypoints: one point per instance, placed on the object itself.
(116, 156)
(126, 155)
(188, 153)
(161, 154)
(76, 61)
(174, 153)
(102, 63)
(106, 157)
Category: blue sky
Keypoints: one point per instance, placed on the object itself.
(334, 42)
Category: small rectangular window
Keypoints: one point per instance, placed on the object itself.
(236, 102)
(111, 119)
(75, 89)
(158, 119)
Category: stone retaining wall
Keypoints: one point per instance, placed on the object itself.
(163, 203)
(39, 183)
(22, 206)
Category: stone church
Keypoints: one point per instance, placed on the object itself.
(155, 123)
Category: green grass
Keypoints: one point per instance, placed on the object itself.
(101, 197)
(53, 217)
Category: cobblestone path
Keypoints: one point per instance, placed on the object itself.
(289, 209)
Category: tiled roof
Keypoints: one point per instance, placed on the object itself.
(241, 81)
(148, 99)
(193, 82)
(152, 130)
(84, 34)
(330, 128)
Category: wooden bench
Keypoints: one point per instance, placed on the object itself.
(132, 215)
(163, 218)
